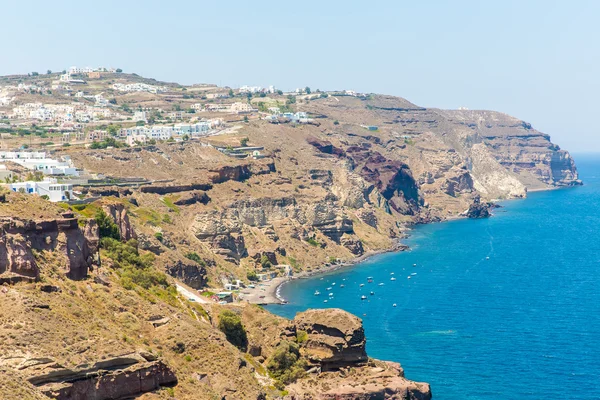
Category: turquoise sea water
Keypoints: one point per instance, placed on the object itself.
(524, 323)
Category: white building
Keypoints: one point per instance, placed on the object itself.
(48, 187)
(239, 108)
(37, 161)
(136, 139)
(140, 116)
(139, 87)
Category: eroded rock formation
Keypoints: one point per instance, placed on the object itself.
(335, 344)
(21, 240)
(118, 213)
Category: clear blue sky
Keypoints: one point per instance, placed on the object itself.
(536, 60)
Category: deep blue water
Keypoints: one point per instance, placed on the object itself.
(524, 323)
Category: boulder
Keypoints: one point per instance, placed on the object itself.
(192, 274)
(336, 338)
(478, 209)
(192, 198)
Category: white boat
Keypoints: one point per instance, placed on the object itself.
(393, 279)
(408, 277)
(372, 293)
(381, 284)
(324, 301)
(487, 258)
(414, 265)
(328, 288)
(362, 284)
(370, 279)
(317, 293)
(330, 294)
(413, 274)
(392, 273)
(333, 284)
(363, 297)
(342, 285)
(394, 305)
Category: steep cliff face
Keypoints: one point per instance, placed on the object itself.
(520, 148)
(240, 172)
(223, 232)
(335, 345)
(21, 242)
(119, 215)
(335, 338)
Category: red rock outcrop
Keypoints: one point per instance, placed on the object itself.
(240, 173)
(118, 213)
(20, 238)
(335, 346)
(119, 377)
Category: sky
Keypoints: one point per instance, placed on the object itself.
(536, 60)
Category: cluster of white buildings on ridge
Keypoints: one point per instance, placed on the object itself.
(256, 89)
(141, 134)
(38, 161)
(87, 70)
(63, 113)
(139, 87)
(231, 108)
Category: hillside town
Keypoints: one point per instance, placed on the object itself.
(100, 108)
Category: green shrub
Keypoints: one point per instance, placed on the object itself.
(251, 275)
(265, 263)
(231, 325)
(133, 268)
(312, 242)
(301, 336)
(285, 364)
(106, 226)
(195, 257)
(159, 236)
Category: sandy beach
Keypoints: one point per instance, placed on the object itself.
(268, 292)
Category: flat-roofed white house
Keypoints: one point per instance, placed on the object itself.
(37, 161)
(48, 187)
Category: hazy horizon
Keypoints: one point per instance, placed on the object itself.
(535, 61)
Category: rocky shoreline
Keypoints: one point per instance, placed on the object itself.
(272, 288)
(272, 294)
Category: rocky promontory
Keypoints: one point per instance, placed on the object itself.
(334, 343)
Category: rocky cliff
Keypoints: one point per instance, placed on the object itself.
(335, 344)
(352, 183)
(24, 242)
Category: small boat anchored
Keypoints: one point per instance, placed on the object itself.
(370, 279)
(363, 297)
(392, 279)
(317, 293)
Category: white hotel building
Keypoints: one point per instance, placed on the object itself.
(37, 161)
(48, 187)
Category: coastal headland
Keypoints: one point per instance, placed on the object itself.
(137, 215)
